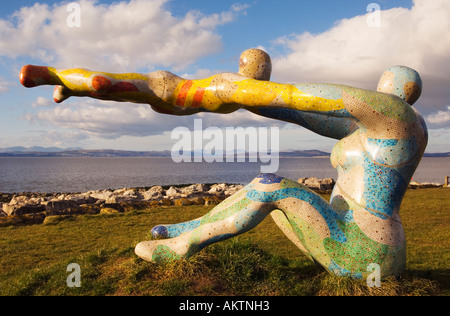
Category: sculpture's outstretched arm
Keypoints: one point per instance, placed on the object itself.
(225, 93)
(128, 87)
(221, 93)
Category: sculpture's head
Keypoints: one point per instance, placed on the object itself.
(256, 64)
(403, 82)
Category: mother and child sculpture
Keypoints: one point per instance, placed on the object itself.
(381, 140)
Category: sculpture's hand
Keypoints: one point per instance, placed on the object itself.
(32, 76)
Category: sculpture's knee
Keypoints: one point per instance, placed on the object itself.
(269, 178)
(160, 232)
(264, 187)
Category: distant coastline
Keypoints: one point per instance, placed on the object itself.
(42, 152)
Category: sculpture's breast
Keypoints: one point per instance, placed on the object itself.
(347, 152)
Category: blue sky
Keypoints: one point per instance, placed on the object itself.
(309, 41)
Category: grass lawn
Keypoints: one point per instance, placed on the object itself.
(34, 259)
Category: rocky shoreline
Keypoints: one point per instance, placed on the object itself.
(36, 208)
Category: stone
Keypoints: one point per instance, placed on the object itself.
(18, 200)
(172, 192)
(18, 210)
(212, 200)
(153, 193)
(194, 189)
(318, 184)
(55, 219)
(327, 184)
(218, 189)
(108, 211)
(101, 195)
(182, 202)
(233, 189)
(165, 202)
(117, 206)
(61, 205)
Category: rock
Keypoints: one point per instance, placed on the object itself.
(212, 200)
(55, 219)
(195, 189)
(61, 205)
(89, 209)
(218, 189)
(327, 184)
(101, 195)
(154, 193)
(425, 185)
(120, 191)
(172, 192)
(165, 202)
(22, 209)
(77, 198)
(5, 198)
(318, 184)
(312, 183)
(182, 202)
(233, 189)
(108, 211)
(116, 206)
(113, 200)
(19, 200)
(197, 200)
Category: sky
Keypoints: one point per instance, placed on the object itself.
(323, 41)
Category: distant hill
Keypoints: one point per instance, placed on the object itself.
(437, 155)
(35, 149)
(78, 152)
(83, 153)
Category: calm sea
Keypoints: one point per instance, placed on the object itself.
(84, 174)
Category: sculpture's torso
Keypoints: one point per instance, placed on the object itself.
(373, 176)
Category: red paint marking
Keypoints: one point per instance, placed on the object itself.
(123, 87)
(184, 92)
(54, 92)
(198, 98)
(101, 83)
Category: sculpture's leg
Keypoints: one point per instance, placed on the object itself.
(174, 230)
(244, 211)
(232, 217)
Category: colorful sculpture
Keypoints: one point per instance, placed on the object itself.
(381, 141)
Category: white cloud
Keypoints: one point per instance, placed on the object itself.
(354, 53)
(120, 36)
(42, 102)
(440, 118)
(4, 85)
(112, 120)
(63, 139)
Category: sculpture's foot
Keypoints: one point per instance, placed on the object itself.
(32, 76)
(174, 230)
(160, 251)
(61, 94)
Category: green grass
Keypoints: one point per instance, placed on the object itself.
(34, 259)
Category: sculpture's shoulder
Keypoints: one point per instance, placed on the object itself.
(377, 103)
(385, 114)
